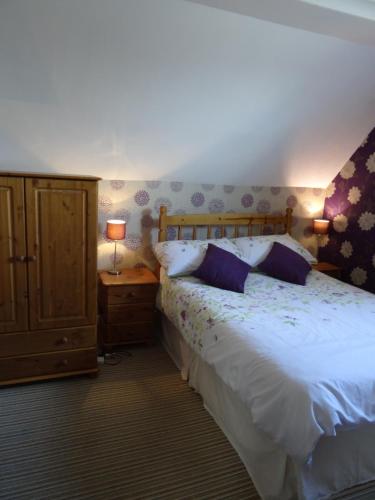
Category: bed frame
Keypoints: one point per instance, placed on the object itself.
(185, 358)
(255, 223)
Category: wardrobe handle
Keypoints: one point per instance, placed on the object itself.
(31, 258)
(20, 258)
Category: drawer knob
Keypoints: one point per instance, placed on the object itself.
(63, 340)
(63, 362)
(131, 294)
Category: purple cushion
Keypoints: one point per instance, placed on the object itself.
(222, 269)
(285, 264)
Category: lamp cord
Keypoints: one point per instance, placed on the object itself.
(115, 358)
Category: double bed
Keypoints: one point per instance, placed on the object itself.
(287, 371)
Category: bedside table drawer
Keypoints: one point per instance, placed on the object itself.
(131, 294)
(127, 307)
(130, 313)
(129, 333)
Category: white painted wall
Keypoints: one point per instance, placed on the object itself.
(173, 90)
(352, 20)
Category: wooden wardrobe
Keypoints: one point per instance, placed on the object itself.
(48, 253)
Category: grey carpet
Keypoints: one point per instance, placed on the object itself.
(135, 432)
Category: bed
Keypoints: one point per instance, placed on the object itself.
(287, 372)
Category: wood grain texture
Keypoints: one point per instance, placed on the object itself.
(33, 366)
(127, 307)
(236, 220)
(129, 333)
(131, 294)
(51, 175)
(128, 276)
(328, 268)
(122, 313)
(15, 344)
(13, 272)
(47, 297)
(61, 234)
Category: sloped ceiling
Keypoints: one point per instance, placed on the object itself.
(177, 90)
(352, 20)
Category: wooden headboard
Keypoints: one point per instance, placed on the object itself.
(223, 221)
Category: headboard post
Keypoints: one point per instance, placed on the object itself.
(221, 220)
(163, 223)
(288, 222)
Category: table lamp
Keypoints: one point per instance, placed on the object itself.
(320, 226)
(116, 230)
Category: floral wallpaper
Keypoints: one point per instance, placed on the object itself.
(138, 202)
(350, 205)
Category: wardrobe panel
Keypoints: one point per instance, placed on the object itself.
(61, 236)
(13, 267)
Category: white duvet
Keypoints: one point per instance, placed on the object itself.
(302, 358)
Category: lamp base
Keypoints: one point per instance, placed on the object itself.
(116, 273)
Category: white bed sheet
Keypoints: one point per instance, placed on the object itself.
(337, 463)
(301, 358)
(330, 396)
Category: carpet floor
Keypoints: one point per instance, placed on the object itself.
(136, 432)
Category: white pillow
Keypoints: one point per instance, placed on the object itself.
(182, 257)
(254, 249)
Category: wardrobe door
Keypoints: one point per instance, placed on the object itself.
(13, 281)
(61, 238)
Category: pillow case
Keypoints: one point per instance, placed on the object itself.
(285, 264)
(254, 249)
(222, 269)
(182, 257)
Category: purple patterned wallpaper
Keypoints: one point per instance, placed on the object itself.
(138, 202)
(350, 205)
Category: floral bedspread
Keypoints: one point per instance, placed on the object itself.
(302, 358)
(195, 307)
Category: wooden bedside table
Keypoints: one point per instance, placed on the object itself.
(327, 268)
(127, 307)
